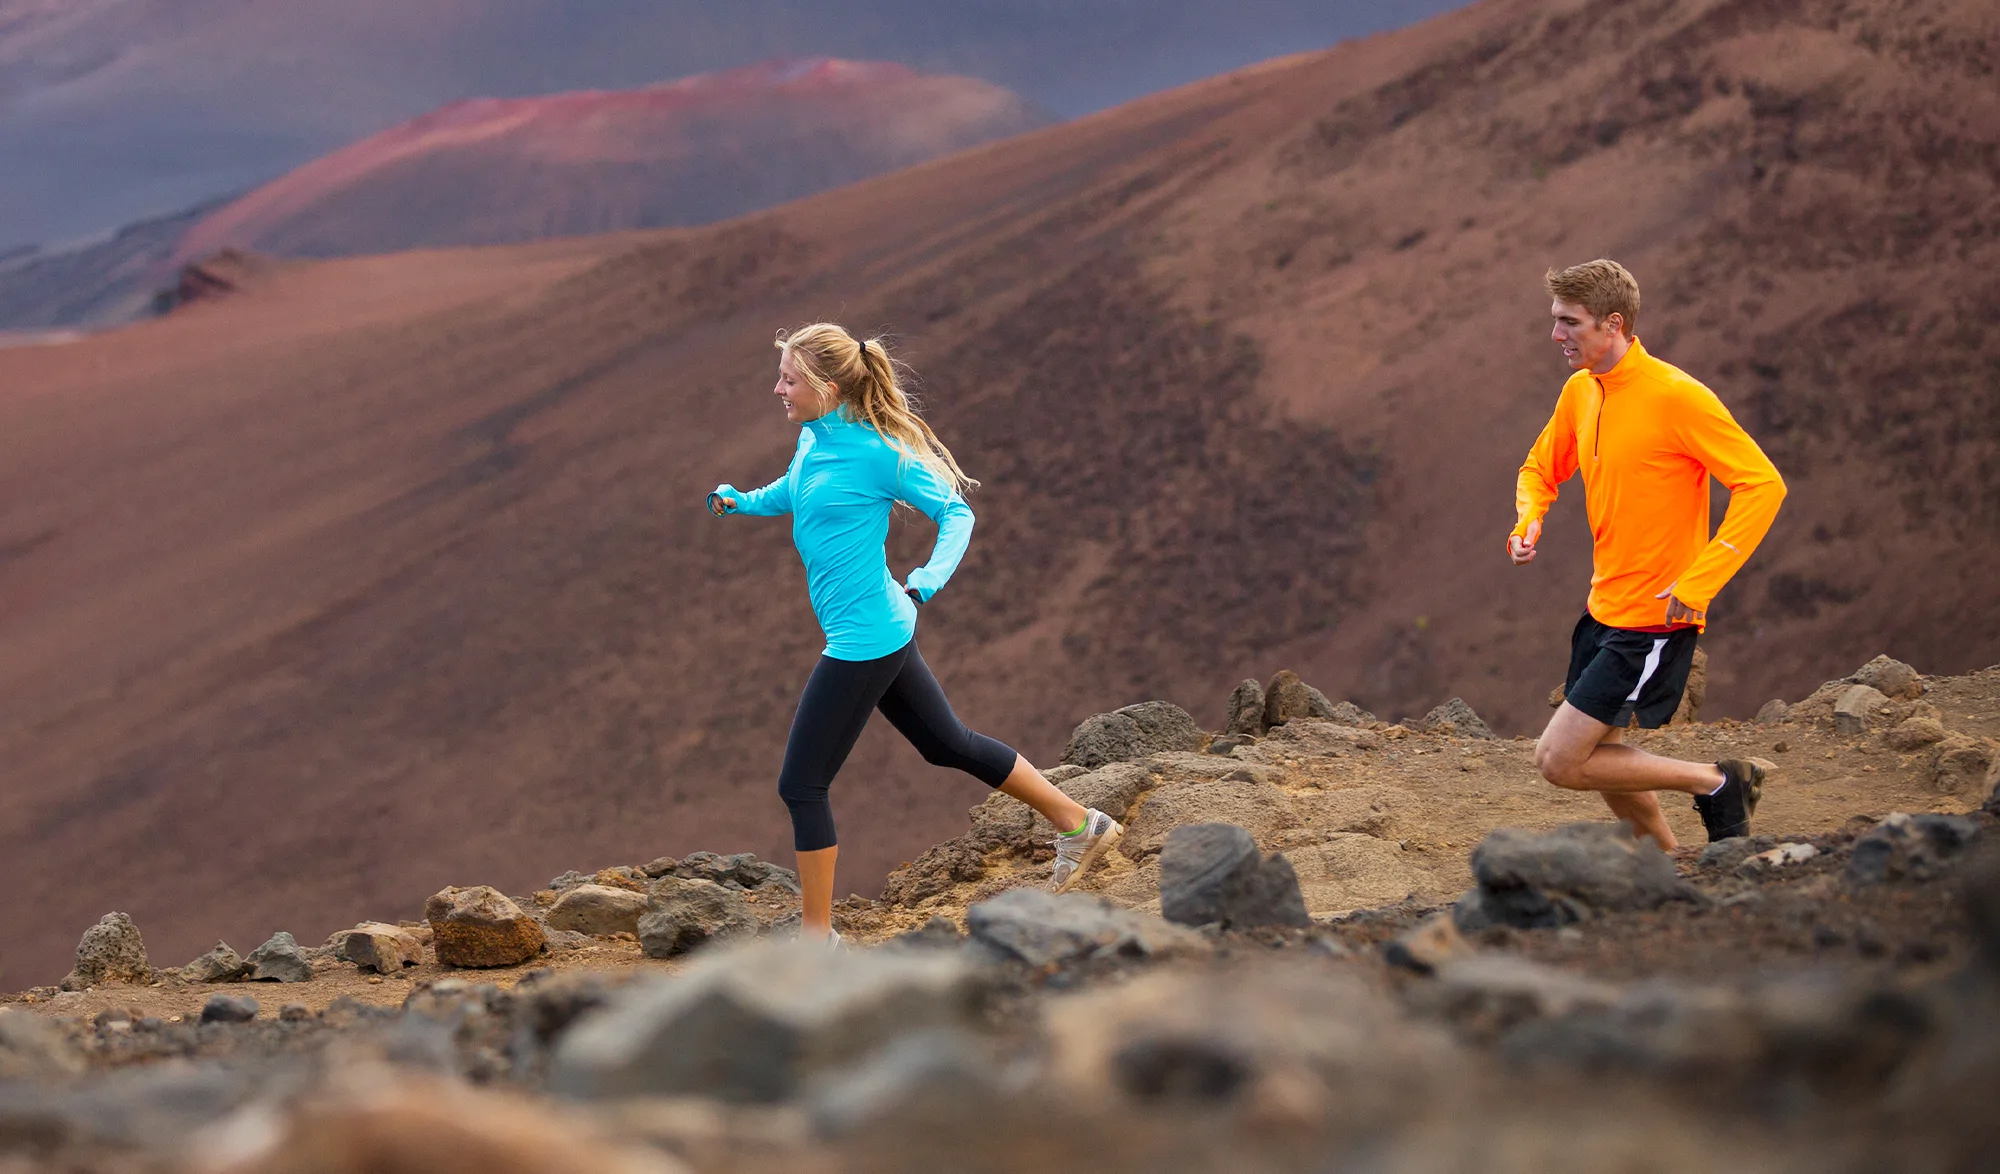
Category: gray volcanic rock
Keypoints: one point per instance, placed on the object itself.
(1135, 731)
(740, 870)
(221, 964)
(1246, 709)
(380, 947)
(229, 1009)
(1455, 719)
(279, 960)
(1856, 705)
(1043, 929)
(683, 914)
(110, 951)
(1287, 697)
(1530, 879)
(1214, 873)
(754, 1024)
(1909, 847)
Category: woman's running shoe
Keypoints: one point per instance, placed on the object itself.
(1076, 853)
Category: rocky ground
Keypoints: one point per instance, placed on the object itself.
(1326, 942)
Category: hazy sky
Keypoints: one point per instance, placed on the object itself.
(114, 110)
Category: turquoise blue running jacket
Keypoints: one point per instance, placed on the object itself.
(843, 481)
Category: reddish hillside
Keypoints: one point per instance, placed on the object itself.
(493, 170)
(388, 573)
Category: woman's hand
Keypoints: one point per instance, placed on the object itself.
(720, 505)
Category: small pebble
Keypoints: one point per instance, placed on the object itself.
(1781, 747)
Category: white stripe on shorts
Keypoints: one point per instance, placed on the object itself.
(1652, 666)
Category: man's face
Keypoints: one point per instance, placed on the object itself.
(1584, 340)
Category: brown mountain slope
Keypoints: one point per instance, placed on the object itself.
(391, 572)
(694, 151)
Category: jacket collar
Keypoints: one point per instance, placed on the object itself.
(1628, 369)
(831, 422)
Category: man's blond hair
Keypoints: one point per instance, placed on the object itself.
(1603, 287)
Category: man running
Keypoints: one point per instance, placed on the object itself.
(1646, 437)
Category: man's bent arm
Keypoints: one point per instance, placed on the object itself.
(1714, 437)
(1551, 461)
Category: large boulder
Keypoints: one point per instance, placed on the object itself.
(380, 947)
(598, 910)
(1135, 731)
(1455, 719)
(1214, 873)
(683, 914)
(480, 927)
(279, 960)
(110, 951)
(1288, 697)
(1241, 797)
(1043, 929)
(754, 1024)
(1534, 879)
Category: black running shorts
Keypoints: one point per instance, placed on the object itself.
(1617, 674)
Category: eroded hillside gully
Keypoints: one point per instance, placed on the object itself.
(1326, 942)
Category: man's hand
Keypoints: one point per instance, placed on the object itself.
(1522, 550)
(1678, 612)
(720, 505)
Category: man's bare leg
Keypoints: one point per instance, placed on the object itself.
(1639, 809)
(1580, 753)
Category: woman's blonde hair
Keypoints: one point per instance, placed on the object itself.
(860, 374)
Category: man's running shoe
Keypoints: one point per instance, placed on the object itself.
(1075, 854)
(1727, 812)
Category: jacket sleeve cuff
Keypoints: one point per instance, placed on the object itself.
(723, 490)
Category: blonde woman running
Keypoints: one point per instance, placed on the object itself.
(862, 449)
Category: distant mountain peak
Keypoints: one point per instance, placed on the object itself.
(687, 151)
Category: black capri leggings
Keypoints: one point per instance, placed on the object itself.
(839, 696)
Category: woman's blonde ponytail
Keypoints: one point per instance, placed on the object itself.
(869, 384)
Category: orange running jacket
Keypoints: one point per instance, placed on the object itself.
(1647, 436)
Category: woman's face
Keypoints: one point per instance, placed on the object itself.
(803, 405)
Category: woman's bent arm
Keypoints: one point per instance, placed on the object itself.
(772, 500)
(919, 485)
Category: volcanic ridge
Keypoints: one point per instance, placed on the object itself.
(1269, 973)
